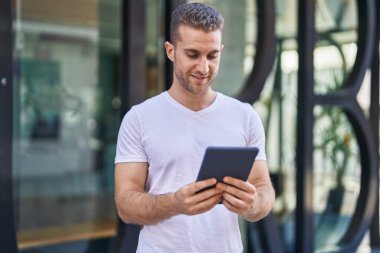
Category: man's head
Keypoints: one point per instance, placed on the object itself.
(195, 48)
(195, 15)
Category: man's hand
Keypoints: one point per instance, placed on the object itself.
(188, 200)
(253, 199)
(238, 196)
(136, 206)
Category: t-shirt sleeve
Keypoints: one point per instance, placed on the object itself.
(256, 134)
(129, 144)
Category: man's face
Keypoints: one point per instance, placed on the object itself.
(195, 56)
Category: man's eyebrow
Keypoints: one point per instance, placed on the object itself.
(194, 51)
(191, 51)
(215, 51)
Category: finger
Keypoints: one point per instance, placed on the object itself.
(231, 207)
(238, 193)
(197, 186)
(237, 205)
(209, 207)
(216, 201)
(206, 205)
(243, 185)
(199, 197)
(233, 201)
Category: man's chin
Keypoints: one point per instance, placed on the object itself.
(196, 88)
(199, 89)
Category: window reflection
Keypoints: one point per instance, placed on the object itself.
(336, 175)
(66, 120)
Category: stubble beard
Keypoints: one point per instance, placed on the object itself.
(186, 84)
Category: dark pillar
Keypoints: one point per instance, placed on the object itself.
(374, 118)
(305, 122)
(8, 241)
(132, 90)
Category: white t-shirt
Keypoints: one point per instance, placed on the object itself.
(172, 139)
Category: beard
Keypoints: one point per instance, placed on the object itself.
(190, 87)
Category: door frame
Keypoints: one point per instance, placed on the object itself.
(8, 240)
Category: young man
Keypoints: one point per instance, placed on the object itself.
(162, 141)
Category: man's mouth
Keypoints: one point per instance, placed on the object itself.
(199, 77)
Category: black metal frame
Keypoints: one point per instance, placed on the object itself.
(265, 52)
(367, 130)
(133, 52)
(374, 118)
(132, 91)
(305, 122)
(346, 100)
(7, 228)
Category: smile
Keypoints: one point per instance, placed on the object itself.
(199, 77)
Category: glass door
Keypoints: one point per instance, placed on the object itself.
(66, 119)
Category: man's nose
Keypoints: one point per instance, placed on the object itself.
(202, 66)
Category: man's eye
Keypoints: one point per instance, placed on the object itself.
(192, 56)
(212, 57)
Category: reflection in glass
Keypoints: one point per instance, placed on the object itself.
(336, 50)
(66, 120)
(239, 37)
(336, 175)
(154, 47)
(278, 108)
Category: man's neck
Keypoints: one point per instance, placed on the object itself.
(191, 101)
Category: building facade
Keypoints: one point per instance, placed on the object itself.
(69, 71)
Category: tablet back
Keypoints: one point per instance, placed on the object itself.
(219, 162)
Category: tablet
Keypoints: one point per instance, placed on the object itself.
(219, 162)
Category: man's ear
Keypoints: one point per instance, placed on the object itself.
(169, 47)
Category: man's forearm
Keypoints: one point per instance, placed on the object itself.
(144, 209)
(264, 203)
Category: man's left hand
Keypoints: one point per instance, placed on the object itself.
(238, 196)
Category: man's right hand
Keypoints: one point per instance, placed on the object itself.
(136, 206)
(188, 200)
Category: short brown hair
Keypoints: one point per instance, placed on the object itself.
(196, 15)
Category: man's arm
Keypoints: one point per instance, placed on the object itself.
(136, 206)
(253, 199)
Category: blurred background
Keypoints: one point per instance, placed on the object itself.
(78, 65)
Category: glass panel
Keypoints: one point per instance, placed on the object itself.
(278, 109)
(280, 102)
(66, 119)
(239, 37)
(336, 175)
(336, 48)
(155, 49)
(336, 155)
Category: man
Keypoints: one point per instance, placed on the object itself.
(162, 141)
